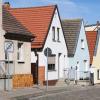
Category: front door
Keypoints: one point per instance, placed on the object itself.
(34, 72)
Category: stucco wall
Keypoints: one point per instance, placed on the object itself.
(21, 68)
(1, 34)
(80, 54)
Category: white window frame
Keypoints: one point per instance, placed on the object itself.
(86, 64)
(20, 54)
(10, 50)
(53, 33)
(58, 34)
(51, 62)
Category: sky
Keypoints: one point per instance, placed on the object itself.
(89, 10)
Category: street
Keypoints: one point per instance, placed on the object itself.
(85, 93)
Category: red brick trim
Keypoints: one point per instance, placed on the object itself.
(41, 74)
(51, 82)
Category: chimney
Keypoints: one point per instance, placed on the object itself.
(98, 24)
(7, 5)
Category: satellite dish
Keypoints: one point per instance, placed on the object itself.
(47, 52)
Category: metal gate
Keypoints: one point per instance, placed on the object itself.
(69, 75)
(72, 75)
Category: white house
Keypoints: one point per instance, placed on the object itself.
(49, 34)
(78, 52)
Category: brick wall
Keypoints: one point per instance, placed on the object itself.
(22, 80)
(41, 74)
(51, 82)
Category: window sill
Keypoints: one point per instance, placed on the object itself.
(51, 70)
(21, 62)
(54, 40)
(82, 48)
(11, 61)
(58, 41)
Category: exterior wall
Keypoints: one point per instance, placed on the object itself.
(22, 80)
(41, 74)
(1, 34)
(80, 54)
(21, 68)
(21, 71)
(56, 47)
(96, 61)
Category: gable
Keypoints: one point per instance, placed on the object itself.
(56, 44)
(91, 39)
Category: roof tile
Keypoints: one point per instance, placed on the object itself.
(91, 39)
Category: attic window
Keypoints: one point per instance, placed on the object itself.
(53, 33)
(82, 44)
(58, 37)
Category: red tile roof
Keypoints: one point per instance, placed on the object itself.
(36, 20)
(91, 39)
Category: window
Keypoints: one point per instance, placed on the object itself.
(53, 33)
(82, 44)
(86, 64)
(58, 37)
(20, 55)
(9, 48)
(77, 66)
(51, 63)
(98, 74)
(51, 67)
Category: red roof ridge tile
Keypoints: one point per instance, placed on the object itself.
(32, 7)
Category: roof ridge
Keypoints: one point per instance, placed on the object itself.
(90, 25)
(72, 19)
(34, 7)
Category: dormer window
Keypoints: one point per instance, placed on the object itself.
(82, 44)
(53, 33)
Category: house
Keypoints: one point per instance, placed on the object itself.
(93, 42)
(92, 27)
(78, 52)
(49, 34)
(17, 46)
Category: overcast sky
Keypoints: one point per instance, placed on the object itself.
(89, 10)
